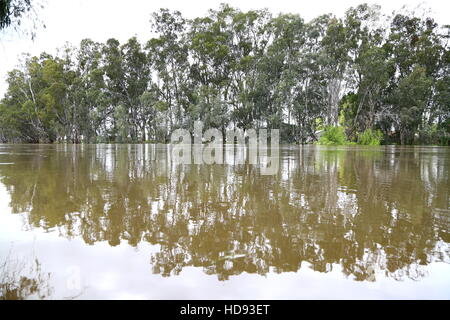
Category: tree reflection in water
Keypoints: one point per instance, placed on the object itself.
(372, 212)
(23, 279)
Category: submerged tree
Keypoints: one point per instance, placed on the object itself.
(235, 69)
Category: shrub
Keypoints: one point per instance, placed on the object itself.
(333, 136)
(434, 135)
(370, 137)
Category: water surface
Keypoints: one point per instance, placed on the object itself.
(123, 221)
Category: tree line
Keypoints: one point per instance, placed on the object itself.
(362, 72)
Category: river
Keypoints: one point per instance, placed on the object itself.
(124, 222)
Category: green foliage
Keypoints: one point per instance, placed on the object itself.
(13, 14)
(370, 137)
(435, 134)
(13, 9)
(333, 136)
(241, 69)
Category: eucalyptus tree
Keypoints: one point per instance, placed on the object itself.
(13, 9)
(250, 39)
(233, 68)
(128, 76)
(211, 42)
(149, 115)
(117, 115)
(282, 72)
(306, 73)
(440, 112)
(89, 92)
(168, 55)
(36, 100)
(415, 50)
(19, 14)
(368, 74)
(312, 81)
(136, 82)
(334, 64)
(19, 121)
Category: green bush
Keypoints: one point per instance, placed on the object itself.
(370, 137)
(333, 136)
(434, 134)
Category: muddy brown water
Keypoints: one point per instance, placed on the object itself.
(123, 221)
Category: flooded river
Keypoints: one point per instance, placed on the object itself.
(124, 221)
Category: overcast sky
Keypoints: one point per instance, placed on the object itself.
(73, 20)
